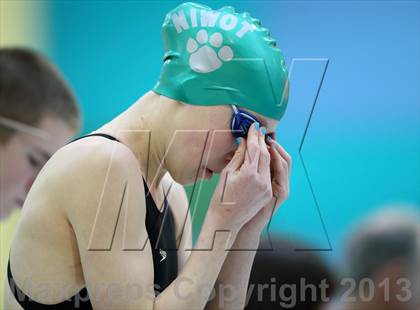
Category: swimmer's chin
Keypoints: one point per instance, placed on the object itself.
(205, 174)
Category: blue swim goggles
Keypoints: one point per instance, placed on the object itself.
(241, 121)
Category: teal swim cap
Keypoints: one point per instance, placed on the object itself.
(215, 57)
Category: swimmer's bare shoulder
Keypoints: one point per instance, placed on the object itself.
(92, 170)
(99, 184)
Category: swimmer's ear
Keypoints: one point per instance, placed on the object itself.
(238, 158)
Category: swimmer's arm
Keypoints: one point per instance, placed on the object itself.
(178, 201)
(101, 201)
(231, 287)
(121, 279)
(194, 284)
(184, 241)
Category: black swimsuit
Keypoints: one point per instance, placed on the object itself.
(160, 228)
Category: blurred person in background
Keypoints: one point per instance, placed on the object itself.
(382, 257)
(284, 277)
(38, 115)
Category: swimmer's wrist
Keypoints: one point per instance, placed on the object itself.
(252, 230)
(248, 239)
(220, 222)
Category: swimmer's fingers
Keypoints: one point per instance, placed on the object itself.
(274, 144)
(238, 158)
(253, 149)
(280, 175)
(264, 160)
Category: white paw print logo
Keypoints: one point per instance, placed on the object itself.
(205, 59)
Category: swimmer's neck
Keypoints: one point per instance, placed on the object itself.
(140, 128)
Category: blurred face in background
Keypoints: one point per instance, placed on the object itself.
(38, 114)
(22, 157)
(384, 249)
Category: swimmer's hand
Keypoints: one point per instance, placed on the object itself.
(245, 185)
(280, 165)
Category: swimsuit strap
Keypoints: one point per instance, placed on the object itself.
(98, 135)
